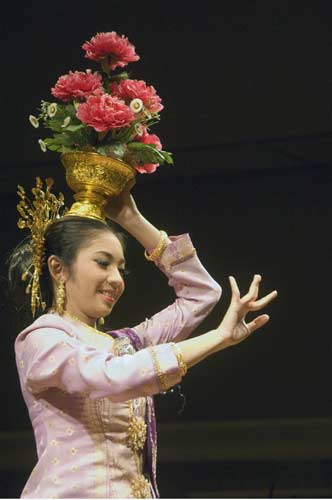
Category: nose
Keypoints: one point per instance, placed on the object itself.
(114, 279)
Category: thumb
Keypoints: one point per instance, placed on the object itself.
(258, 322)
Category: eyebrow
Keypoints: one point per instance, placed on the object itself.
(110, 256)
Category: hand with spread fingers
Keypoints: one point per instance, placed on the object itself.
(233, 327)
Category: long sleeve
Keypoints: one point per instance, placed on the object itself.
(49, 357)
(197, 293)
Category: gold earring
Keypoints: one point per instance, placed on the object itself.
(60, 297)
(101, 321)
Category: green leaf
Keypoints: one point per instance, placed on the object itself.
(120, 76)
(74, 128)
(147, 153)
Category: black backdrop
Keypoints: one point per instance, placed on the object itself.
(247, 92)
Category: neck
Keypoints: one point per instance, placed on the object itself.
(81, 317)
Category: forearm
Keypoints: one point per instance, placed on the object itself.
(196, 349)
(143, 231)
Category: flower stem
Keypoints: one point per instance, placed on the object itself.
(102, 135)
(105, 66)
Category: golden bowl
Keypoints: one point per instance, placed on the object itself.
(95, 179)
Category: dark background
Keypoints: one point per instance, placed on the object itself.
(247, 89)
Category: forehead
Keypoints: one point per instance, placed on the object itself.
(104, 242)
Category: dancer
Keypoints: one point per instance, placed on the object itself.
(89, 393)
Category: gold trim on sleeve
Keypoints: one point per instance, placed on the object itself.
(162, 379)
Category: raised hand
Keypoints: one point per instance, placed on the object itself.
(233, 328)
(122, 208)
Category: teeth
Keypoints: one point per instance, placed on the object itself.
(108, 294)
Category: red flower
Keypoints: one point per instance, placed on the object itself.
(77, 85)
(133, 89)
(117, 50)
(103, 112)
(148, 168)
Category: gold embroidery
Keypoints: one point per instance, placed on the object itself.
(140, 487)
(54, 442)
(136, 433)
(183, 258)
(69, 431)
(73, 451)
(56, 461)
(161, 376)
(51, 358)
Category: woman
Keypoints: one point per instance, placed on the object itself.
(88, 393)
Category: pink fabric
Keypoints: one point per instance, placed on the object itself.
(77, 390)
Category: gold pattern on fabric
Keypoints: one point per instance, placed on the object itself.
(183, 258)
(141, 487)
(136, 429)
(136, 433)
(162, 380)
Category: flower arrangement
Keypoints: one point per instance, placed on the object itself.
(105, 112)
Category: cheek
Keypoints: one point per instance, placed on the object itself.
(122, 288)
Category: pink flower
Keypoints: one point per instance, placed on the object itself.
(103, 112)
(77, 85)
(148, 168)
(133, 89)
(117, 50)
(147, 138)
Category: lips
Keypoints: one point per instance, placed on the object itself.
(108, 295)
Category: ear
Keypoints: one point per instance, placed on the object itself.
(56, 268)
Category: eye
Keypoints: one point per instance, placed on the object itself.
(124, 272)
(103, 263)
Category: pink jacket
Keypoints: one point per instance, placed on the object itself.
(89, 396)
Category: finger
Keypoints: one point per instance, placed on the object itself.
(252, 293)
(258, 322)
(130, 184)
(259, 304)
(234, 287)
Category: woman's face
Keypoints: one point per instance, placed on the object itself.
(95, 282)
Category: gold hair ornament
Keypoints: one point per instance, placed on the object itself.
(36, 215)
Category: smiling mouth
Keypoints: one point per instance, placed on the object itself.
(108, 296)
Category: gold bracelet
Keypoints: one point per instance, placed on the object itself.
(156, 253)
(179, 356)
(161, 376)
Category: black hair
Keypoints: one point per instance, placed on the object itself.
(64, 238)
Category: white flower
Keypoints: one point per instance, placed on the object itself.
(43, 106)
(52, 109)
(136, 105)
(42, 145)
(66, 122)
(34, 121)
(139, 129)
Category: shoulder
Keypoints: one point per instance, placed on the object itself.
(46, 329)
